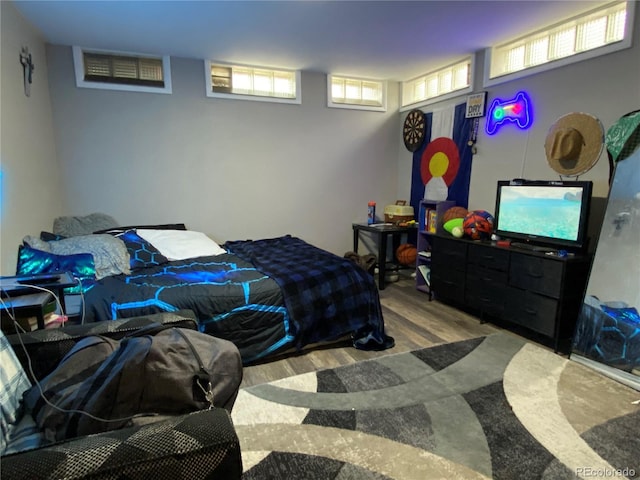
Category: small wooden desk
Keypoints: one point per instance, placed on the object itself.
(382, 231)
(30, 305)
(31, 301)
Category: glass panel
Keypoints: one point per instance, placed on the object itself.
(337, 89)
(432, 87)
(284, 84)
(515, 59)
(461, 76)
(241, 81)
(97, 65)
(262, 82)
(538, 51)
(592, 34)
(616, 26)
(420, 91)
(371, 92)
(445, 82)
(150, 69)
(562, 43)
(125, 67)
(607, 332)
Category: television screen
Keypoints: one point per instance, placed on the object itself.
(545, 212)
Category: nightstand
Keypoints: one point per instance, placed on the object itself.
(381, 231)
(29, 295)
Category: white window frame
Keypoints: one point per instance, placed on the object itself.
(78, 65)
(471, 59)
(256, 98)
(488, 81)
(332, 103)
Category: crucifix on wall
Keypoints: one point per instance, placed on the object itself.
(27, 69)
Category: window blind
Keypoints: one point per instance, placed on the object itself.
(121, 69)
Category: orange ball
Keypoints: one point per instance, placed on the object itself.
(406, 254)
(454, 212)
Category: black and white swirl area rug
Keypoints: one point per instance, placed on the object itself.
(494, 407)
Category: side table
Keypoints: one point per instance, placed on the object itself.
(382, 231)
(29, 305)
(16, 287)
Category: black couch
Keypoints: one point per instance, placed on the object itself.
(199, 445)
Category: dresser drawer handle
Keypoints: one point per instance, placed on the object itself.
(530, 311)
(535, 275)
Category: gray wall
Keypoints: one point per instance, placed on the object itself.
(31, 192)
(230, 168)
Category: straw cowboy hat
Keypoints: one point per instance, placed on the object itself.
(574, 143)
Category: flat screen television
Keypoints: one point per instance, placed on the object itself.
(544, 213)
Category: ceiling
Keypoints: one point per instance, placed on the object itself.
(394, 40)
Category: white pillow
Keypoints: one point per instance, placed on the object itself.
(181, 244)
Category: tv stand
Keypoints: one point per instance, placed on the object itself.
(532, 289)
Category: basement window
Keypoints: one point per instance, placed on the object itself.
(447, 82)
(594, 33)
(356, 93)
(252, 83)
(121, 71)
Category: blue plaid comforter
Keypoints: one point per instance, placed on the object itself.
(326, 296)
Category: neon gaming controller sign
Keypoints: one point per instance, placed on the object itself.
(517, 110)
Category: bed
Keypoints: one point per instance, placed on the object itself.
(267, 296)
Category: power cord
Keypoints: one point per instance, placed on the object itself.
(20, 330)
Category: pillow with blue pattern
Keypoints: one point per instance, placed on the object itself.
(80, 265)
(626, 314)
(142, 253)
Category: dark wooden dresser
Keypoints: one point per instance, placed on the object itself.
(537, 290)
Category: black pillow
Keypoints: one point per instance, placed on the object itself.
(51, 237)
(166, 226)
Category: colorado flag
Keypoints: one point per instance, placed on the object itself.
(442, 165)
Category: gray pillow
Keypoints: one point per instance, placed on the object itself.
(83, 225)
(110, 254)
(37, 243)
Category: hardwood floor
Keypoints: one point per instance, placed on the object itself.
(413, 320)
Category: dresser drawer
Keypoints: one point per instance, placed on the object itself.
(532, 311)
(486, 290)
(540, 275)
(448, 284)
(489, 257)
(450, 254)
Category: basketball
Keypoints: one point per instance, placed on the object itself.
(454, 212)
(478, 225)
(406, 254)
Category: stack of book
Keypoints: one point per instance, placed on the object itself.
(430, 220)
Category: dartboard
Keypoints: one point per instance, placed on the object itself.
(413, 130)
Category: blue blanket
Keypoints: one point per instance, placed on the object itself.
(326, 296)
